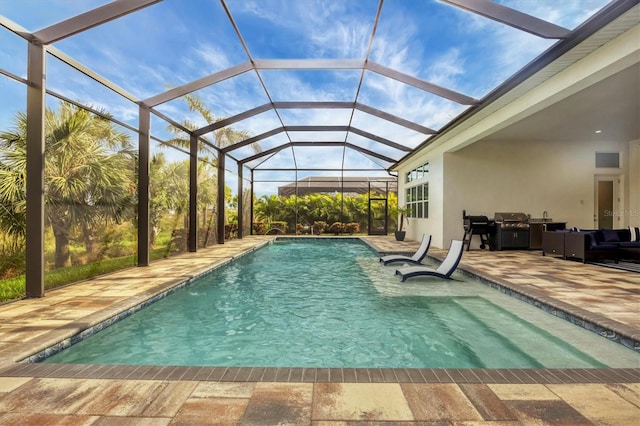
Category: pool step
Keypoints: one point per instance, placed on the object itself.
(515, 329)
(475, 335)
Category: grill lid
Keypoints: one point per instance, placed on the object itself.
(511, 217)
(476, 219)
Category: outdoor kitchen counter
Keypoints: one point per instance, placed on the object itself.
(537, 227)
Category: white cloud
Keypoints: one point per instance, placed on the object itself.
(394, 44)
(324, 29)
(346, 40)
(566, 13)
(213, 56)
(447, 68)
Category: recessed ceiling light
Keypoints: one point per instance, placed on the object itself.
(598, 131)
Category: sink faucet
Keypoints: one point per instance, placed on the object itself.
(545, 214)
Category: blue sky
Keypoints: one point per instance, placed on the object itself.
(177, 41)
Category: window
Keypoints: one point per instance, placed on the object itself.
(417, 201)
(418, 173)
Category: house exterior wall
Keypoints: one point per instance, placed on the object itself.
(633, 195)
(469, 170)
(530, 177)
(434, 223)
(534, 177)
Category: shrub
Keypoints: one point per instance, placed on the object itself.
(351, 228)
(12, 255)
(279, 227)
(336, 228)
(259, 228)
(230, 231)
(319, 227)
(12, 263)
(12, 288)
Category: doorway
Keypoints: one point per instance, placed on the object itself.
(378, 216)
(607, 202)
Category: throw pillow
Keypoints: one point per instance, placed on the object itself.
(635, 233)
(610, 236)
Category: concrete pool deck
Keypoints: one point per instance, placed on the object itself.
(603, 298)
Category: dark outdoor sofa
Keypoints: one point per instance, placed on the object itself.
(593, 244)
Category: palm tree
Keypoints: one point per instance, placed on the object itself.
(225, 136)
(207, 184)
(89, 174)
(168, 191)
(13, 185)
(267, 208)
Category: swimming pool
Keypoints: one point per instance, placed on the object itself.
(328, 303)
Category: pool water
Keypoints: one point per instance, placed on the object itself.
(329, 303)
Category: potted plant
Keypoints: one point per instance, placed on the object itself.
(400, 233)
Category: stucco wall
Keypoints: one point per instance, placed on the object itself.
(434, 223)
(530, 177)
(533, 177)
(633, 194)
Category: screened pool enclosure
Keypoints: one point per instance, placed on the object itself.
(136, 129)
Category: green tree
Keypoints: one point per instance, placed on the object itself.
(224, 137)
(13, 184)
(12, 205)
(329, 208)
(168, 192)
(88, 173)
(268, 208)
(207, 190)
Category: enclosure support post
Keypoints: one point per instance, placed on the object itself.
(143, 185)
(220, 207)
(251, 230)
(240, 201)
(193, 193)
(36, 92)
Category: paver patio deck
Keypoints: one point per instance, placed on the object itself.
(103, 395)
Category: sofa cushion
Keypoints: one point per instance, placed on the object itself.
(629, 244)
(635, 233)
(594, 238)
(610, 236)
(604, 246)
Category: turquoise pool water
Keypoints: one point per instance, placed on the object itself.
(317, 303)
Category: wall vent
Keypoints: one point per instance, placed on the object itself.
(608, 160)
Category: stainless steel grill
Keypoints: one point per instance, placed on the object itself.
(512, 220)
(511, 231)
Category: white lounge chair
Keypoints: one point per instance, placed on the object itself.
(446, 268)
(417, 256)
